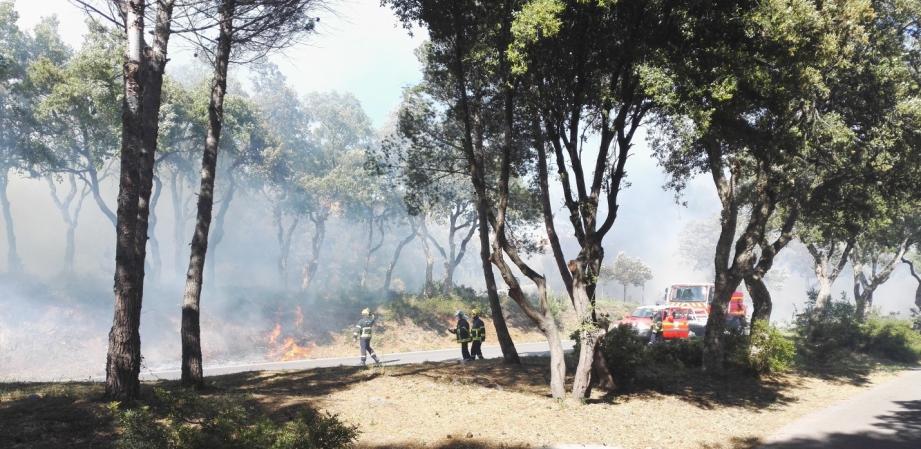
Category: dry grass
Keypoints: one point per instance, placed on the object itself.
(475, 405)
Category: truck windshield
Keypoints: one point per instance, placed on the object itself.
(642, 313)
(689, 293)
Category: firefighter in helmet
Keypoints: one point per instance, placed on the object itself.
(363, 335)
(477, 335)
(462, 332)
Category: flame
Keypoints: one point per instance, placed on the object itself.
(288, 348)
(276, 332)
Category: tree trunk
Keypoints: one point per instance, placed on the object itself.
(218, 235)
(156, 263)
(70, 218)
(827, 269)
(761, 299)
(13, 262)
(917, 276)
(310, 268)
(396, 257)
(177, 188)
(582, 288)
(123, 360)
(191, 333)
(284, 236)
(155, 65)
(428, 285)
(477, 178)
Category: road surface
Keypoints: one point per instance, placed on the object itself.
(402, 358)
(887, 416)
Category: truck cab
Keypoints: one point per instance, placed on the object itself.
(698, 297)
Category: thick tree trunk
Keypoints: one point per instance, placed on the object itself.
(123, 360)
(13, 262)
(761, 299)
(150, 121)
(582, 289)
(191, 332)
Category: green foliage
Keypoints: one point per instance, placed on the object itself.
(769, 349)
(824, 336)
(625, 353)
(891, 339)
(188, 421)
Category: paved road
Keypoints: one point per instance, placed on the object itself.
(402, 358)
(887, 416)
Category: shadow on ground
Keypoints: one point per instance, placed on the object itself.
(40, 421)
(458, 444)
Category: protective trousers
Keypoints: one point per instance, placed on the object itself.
(465, 353)
(365, 344)
(476, 350)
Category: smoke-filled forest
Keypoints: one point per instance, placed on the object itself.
(199, 187)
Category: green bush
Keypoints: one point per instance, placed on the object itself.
(821, 336)
(891, 339)
(837, 330)
(769, 350)
(625, 353)
(187, 421)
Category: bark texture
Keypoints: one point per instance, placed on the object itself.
(191, 330)
(123, 360)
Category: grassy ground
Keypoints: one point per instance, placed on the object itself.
(475, 405)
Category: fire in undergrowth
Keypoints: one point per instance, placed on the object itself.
(287, 348)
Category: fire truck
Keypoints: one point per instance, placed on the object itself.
(697, 298)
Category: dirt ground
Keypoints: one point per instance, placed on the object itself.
(476, 405)
(492, 405)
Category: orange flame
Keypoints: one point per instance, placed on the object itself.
(276, 332)
(290, 350)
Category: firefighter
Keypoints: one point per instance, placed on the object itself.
(363, 335)
(655, 332)
(477, 335)
(462, 332)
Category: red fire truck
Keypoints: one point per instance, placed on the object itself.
(697, 298)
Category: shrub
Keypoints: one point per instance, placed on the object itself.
(891, 339)
(625, 353)
(192, 422)
(823, 335)
(769, 350)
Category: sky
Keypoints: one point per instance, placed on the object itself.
(362, 49)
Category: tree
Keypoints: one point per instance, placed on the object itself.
(19, 150)
(757, 115)
(629, 271)
(250, 29)
(76, 106)
(913, 260)
(456, 31)
(877, 253)
(423, 154)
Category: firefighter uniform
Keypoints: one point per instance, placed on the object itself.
(462, 332)
(655, 332)
(477, 336)
(363, 331)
